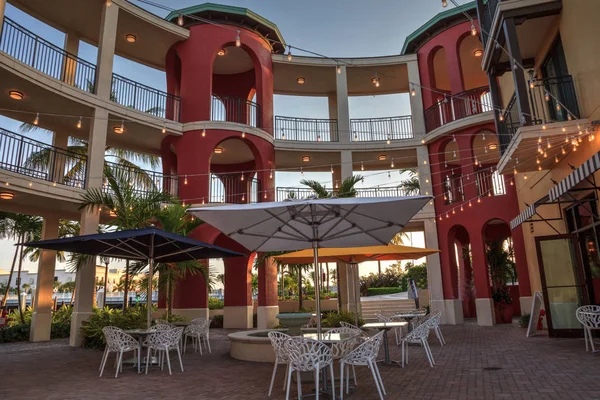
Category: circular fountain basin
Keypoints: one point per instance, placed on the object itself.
(252, 345)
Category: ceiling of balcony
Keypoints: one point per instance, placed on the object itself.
(234, 61)
(82, 18)
(533, 36)
(234, 151)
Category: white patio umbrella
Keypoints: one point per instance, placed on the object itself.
(316, 223)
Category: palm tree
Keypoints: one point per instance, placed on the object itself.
(411, 186)
(346, 189)
(65, 229)
(293, 270)
(21, 228)
(131, 208)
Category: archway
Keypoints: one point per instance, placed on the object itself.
(486, 155)
(470, 50)
(462, 270)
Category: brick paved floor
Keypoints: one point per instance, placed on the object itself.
(534, 368)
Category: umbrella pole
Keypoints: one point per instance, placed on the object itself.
(317, 291)
(356, 299)
(149, 296)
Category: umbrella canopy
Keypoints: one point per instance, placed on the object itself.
(357, 255)
(316, 223)
(147, 244)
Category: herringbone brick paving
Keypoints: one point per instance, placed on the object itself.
(534, 368)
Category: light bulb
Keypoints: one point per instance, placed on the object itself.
(271, 175)
(339, 69)
(539, 167)
(413, 92)
(564, 129)
(79, 123)
(331, 167)
(289, 56)
(388, 140)
(30, 184)
(318, 138)
(501, 117)
(37, 119)
(185, 180)
(238, 41)
(476, 162)
(479, 200)
(242, 177)
(473, 29)
(461, 208)
(544, 127)
(122, 126)
(444, 3)
(440, 217)
(362, 166)
(108, 3)
(164, 130)
(562, 150)
(243, 197)
(453, 212)
(525, 176)
(301, 171)
(531, 85)
(556, 159)
(243, 135)
(470, 205)
(203, 132)
(549, 145)
(422, 141)
(558, 107)
(392, 163)
(180, 20)
(539, 139)
(512, 183)
(265, 195)
(537, 160)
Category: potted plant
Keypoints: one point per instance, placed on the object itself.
(502, 270)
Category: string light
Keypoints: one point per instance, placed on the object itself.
(79, 123)
(413, 92)
(388, 140)
(444, 3)
(362, 166)
(339, 69)
(271, 174)
(238, 41)
(243, 134)
(185, 180)
(180, 20)
(375, 80)
(164, 129)
(203, 132)
(473, 29)
(331, 167)
(37, 119)
(289, 55)
(392, 163)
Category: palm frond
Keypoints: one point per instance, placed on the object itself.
(317, 187)
(347, 188)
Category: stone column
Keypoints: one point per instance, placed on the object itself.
(61, 141)
(85, 280)
(347, 169)
(268, 304)
(237, 312)
(106, 50)
(343, 112)
(416, 101)
(69, 67)
(41, 320)
(484, 305)
(2, 8)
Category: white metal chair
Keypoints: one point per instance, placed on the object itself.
(434, 324)
(397, 331)
(192, 331)
(589, 317)
(307, 355)
(118, 342)
(277, 341)
(363, 355)
(162, 342)
(158, 322)
(418, 335)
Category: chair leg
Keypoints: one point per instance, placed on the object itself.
(376, 379)
(403, 354)
(119, 363)
(380, 380)
(185, 344)
(591, 338)
(148, 360)
(289, 380)
(354, 374)
(103, 362)
(286, 383)
(273, 378)
(585, 338)
(208, 343)
(180, 361)
(397, 337)
(439, 331)
(348, 379)
(106, 351)
(332, 379)
(168, 360)
(299, 382)
(341, 380)
(317, 382)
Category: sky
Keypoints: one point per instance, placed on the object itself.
(336, 28)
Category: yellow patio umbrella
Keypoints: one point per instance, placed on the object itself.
(355, 255)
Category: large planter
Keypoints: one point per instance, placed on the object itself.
(504, 313)
(294, 321)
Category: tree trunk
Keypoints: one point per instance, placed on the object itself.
(12, 270)
(72, 296)
(327, 267)
(105, 282)
(282, 283)
(126, 290)
(300, 305)
(19, 282)
(379, 267)
(169, 295)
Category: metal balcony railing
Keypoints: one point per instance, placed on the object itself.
(543, 98)
(489, 183)
(234, 109)
(306, 129)
(461, 105)
(453, 189)
(283, 193)
(143, 181)
(509, 124)
(231, 188)
(381, 129)
(487, 17)
(144, 98)
(30, 49)
(29, 157)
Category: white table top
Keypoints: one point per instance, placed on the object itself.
(385, 325)
(329, 337)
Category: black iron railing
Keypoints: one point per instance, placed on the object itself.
(283, 193)
(30, 49)
(381, 129)
(234, 188)
(551, 98)
(144, 98)
(306, 129)
(509, 124)
(462, 105)
(487, 18)
(234, 109)
(143, 181)
(489, 182)
(453, 189)
(28, 157)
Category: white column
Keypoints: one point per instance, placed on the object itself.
(332, 104)
(2, 8)
(86, 276)
(41, 320)
(106, 50)
(416, 102)
(60, 140)
(70, 64)
(347, 167)
(343, 112)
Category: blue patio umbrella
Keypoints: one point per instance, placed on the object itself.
(147, 244)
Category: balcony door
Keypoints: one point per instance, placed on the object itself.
(563, 284)
(555, 72)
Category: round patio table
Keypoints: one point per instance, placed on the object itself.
(409, 315)
(140, 334)
(386, 326)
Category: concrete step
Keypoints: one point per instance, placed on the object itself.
(386, 307)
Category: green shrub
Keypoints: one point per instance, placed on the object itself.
(15, 319)
(524, 320)
(419, 274)
(60, 330)
(332, 319)
(216, 321)
(383, 290)
(14, 333)
(63, 315)
(134, 318)
(215, 304)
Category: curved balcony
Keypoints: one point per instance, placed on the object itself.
(231, 188)
(283, 193)
(144, 181)
(459, 106)
(235, 109)
(306, 129)
(381, 129)
(30, 49)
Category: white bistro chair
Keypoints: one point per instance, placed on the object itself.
(162, 342)
(118, 342)
(277, 341)
(307, 355)
(589, 317)
(363, 355)
(418, 335)
(397, 331)
(434, 324)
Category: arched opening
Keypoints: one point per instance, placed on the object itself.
(441, 77)
(470, 51)
(234, 85)
(502, 271)
(486, 155)
(461, 269)
(233, 179)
